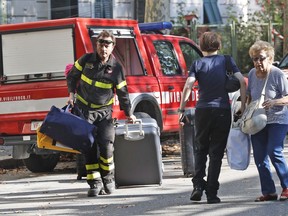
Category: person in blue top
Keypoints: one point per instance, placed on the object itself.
(212, 114)
(269, 142)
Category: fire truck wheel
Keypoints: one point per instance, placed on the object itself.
(139, 115)
(41, 163)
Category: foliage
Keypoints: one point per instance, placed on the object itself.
(271, 11)
(180, 24)
(256, 27)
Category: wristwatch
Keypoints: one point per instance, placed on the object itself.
(180, 110)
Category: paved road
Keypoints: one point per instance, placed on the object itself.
(59, 193)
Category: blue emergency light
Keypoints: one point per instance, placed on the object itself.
(155, 26)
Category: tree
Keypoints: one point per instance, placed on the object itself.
(259, 26)
(285, 27)
(239, 35)
(277, 12)
(156, 11)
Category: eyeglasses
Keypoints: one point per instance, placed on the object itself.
(260, 58)
(106, 42)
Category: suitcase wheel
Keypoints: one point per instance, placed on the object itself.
(188, 175)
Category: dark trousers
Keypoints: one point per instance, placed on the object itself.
(100, 161)
(212, 128)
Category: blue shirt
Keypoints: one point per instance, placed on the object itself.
(210, 72)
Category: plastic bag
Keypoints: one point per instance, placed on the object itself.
(238, 149)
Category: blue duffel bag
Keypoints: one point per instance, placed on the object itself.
(69, 129)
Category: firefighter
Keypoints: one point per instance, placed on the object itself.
(91, 83)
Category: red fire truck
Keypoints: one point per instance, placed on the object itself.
(33, 58)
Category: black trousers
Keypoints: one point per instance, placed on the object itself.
(100, 161)
(212, 127)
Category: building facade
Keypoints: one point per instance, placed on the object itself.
(206, 11)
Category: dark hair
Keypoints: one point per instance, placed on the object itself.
(106, 33)
(210, 41)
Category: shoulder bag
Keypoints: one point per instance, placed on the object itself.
(254, 118)
(232, 83)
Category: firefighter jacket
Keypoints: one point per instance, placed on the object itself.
(96, 83)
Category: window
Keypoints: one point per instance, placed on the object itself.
(167, 58)
(126, 50)
(64, 9)
(190, 53)
(211, 12)
(140, 10)
(103, 9)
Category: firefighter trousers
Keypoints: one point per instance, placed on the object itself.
(100, 161)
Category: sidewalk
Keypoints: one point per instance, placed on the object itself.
(61, 194)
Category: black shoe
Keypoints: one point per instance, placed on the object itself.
(213, 199)
(109, 186)
(95, 189)
(196, 194)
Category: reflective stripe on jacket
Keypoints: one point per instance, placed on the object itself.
(98, 83)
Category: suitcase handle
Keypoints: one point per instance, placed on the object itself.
(134, 135)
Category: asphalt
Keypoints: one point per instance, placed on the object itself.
(60, 193)
(6, 161)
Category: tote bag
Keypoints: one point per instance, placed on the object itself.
(238, 149)
(69, 129)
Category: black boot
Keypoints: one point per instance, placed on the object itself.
(96, 188)
(199, 187)
(109, 185)
(212, 197)
(196, 194)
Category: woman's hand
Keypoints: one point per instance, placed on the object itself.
(268, 103)
(181, 117)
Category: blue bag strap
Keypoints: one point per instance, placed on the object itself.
(66, 108)
(76, 111)
(73, 110)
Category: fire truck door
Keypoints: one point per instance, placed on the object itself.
(171, 80)
(175, 59)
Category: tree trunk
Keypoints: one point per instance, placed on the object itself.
(285, 28)
(157, 11)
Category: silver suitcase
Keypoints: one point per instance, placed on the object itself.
(137, 153)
